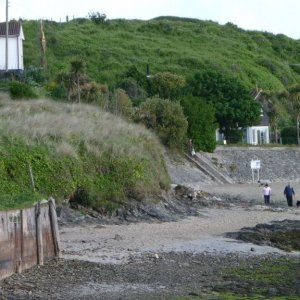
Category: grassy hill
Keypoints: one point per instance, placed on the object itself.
(180, 46)
(71, 146)
(79, 147)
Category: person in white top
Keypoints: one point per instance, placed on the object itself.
(267, 194)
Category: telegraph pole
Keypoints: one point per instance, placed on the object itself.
(6, 39)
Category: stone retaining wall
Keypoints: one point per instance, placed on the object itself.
(278, 164)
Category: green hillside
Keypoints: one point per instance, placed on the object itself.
(75, 150)
(167, 44)
(95, 146)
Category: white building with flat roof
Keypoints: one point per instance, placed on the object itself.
(14, 60)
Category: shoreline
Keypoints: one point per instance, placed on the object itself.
(150, 258)
(117, 243)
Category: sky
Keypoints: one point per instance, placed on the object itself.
(275, 16)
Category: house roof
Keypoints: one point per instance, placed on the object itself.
(264, 120)
(265, 117)
(14, 28)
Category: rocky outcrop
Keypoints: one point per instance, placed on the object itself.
(284, 235)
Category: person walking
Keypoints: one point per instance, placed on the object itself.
(267, 194)
(289, 193)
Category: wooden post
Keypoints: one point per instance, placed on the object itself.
(20, 263)
(54, 226)
(31, 177)
(6, 38)
(39, 234)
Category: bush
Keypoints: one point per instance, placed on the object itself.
(166, 85)
(56, 90)
(133, 90)
(24, 199)
(289, 135)
(19, 90)
(97, 18)
(167, 119)
(234, 136)
(201, 123)
(35, 75)
(120, 104)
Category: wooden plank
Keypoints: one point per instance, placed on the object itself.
(54, 227)
(39, 234)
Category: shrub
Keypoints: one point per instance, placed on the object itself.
(166, 85)
(167, 119)
(35, 75)
(133, 90)
(120, 103)
(97, 18)
(19, 90)
(289, 135)
(201, 123)
(56, 90)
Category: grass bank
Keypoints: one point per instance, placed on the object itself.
(69, 146)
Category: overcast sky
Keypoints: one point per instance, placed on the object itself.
(275, 16)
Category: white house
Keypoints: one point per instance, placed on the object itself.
(15, 47)
(254, 135)
(259, 134)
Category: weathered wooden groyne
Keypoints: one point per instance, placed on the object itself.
(27, 237)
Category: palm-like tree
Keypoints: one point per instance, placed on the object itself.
(76, 70)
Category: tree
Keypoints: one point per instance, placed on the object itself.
(166, 85)
(120, 103)
(294, 97)
(133, 90)
(232, 101)
(201, 122)
(76, 71)
(166, 118)
(135, 84)
(97, 17)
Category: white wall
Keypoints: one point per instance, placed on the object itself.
(257, 135)
(15, 53)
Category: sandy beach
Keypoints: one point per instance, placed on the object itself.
(204, 233)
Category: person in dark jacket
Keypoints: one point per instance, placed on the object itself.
(289, 193)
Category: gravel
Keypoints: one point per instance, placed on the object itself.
(146, 277)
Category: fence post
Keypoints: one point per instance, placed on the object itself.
(39, 234)
(21, 260)
(54, 227)
(31, 177)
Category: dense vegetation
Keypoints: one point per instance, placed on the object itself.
(76, 147)
(108, 54)
(181, 78)
(179, 46)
